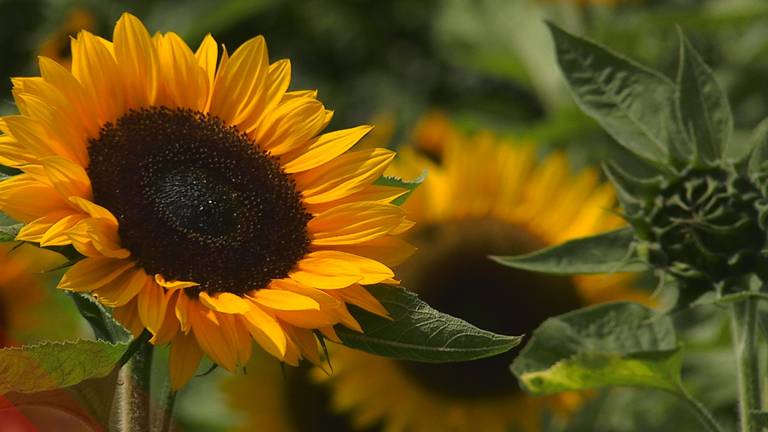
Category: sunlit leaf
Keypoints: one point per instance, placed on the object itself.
(419, 333)
(411, 185)
(615, 344)
(52, 365)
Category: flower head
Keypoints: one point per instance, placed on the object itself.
(209, 207)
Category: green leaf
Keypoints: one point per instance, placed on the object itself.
(419, 333)
(636, 105)
(702, 105)
(103, 325)
(51, 365)
(8, 233)
(759, 153)
(411, 185)
(603, 253)
(614, 344)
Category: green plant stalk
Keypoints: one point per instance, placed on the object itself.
(137, 398)
(167, 414)
(744, 340)
(704, 415)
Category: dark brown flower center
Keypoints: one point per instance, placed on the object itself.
(452, 273)
(197, 200)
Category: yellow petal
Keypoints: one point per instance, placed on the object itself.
(207, 55)
(283, 300)
(184, 359)
(123, 288)
(152, 304)
(323, 149)
(328, 315)
(239, 86)
(184, 81)
(371, 271)
(35, 230)
(321, 272)
(93, 209)
(290, 126)
(375, 193)
(97, 237)
(225, 302)
(58, 233)
(93, 273)
(354, 223)
(26, 199)
(277, 81)
(128, 316)
(388, 250)
(266, 331)
(173, 284)
(95, 67)
(67, 177)
(343, 175)
(136, 61)
(359, 296)
(212, 338)
(62, 79)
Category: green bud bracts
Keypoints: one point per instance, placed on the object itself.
(701, 225)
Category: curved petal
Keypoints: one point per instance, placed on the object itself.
(283, 300)
(266, 331)
(67, 177)
(321, 272)
(184, 82)
(323, 149)
(26, 199)
(152, 304)
(354, 223)
(123, 288)
(225, 302)
(239, 86)
(343, 176)
(212, 338)
(136, 61)
(93, 273)
(184, 359)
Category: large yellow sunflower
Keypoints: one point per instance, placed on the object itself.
(484, 196)
(209, 208)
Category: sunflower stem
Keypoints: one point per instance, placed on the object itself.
(704, 415)
(138, 397)
(744, 340)
(167, 413)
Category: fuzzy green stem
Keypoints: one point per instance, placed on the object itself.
(167, 413)
(704, 415)
(744, 340)
(140, 366)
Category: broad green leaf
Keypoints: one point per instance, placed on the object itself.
(411, 185)
(702, 105)
(603, 253)
(52, 365)
(614, 344)
(633, 103)
(419, 333)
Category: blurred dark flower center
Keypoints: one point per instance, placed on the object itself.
(452, 273)
(197, 200)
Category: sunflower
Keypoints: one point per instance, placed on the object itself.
(22, 290)
(487, 196)
(209, 208)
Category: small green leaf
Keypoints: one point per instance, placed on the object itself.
(8, 233)
(636, 105)
(603, 253)
(52, 365)
(411, 185)
(419, 333)
(103, 325)
(759, 153)
(614, 344)
(702, 105)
